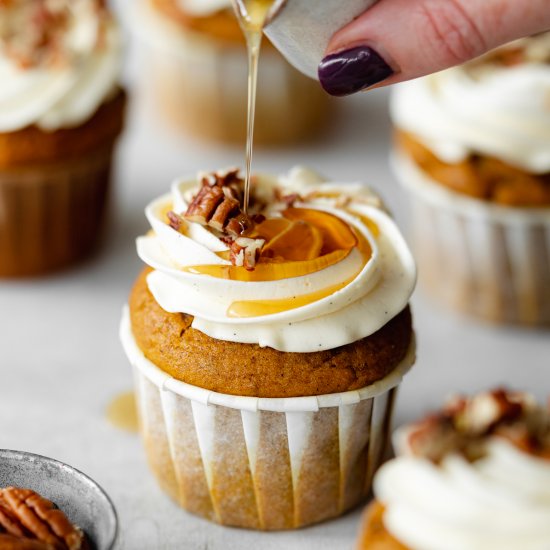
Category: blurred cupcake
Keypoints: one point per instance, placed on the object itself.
(61, 110)
(198, 71)
(476, 475)
(473, 148)
(268, 346)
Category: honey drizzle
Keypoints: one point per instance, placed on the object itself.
(256, 308)
(253, 16)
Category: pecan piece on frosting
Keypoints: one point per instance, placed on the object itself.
(246, 252)
(30, 517)
(204, 204)
(218, 204)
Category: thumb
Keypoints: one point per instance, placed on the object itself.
(398, 40)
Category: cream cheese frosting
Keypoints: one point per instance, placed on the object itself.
(469, 487)
(366, 293)
(65, 93)
(501, 501)
(486, 108)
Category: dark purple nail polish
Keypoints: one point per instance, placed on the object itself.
(352, 70)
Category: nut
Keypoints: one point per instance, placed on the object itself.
(246, 252)
(27, 516)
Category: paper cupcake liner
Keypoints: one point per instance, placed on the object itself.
(200, 85)
(262, 463)
(51, 215)
(486, 260)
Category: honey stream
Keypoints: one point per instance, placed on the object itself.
(253, 16)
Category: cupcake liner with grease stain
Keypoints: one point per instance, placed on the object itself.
(486, 260)
(262, 463)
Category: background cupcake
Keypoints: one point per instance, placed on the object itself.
(198, 69)
(473, 148)
(266, 364)
(61, 110)
(475, 475)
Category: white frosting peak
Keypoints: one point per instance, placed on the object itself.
(499, 502)
(66, 94)
(489, 109)
(366, 295)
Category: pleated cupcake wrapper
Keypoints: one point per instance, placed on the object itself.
(487, 260)
(257, 462)
(50, 214)
(200, 83)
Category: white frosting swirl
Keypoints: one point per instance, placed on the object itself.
(67, 94)
(372, 294)
(499, 502)
(493, 110)
(201, 8)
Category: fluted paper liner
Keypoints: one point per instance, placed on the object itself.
(484, 259)
(51, 214)
(262, 463)
(200, 84)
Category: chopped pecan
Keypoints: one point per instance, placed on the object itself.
(223, 213)
(246, 252)
(175, 220)
(239, 225)
(33, 517)
(204, 204)
(465, 424)
(218, 204)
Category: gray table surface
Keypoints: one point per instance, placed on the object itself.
(61, 362)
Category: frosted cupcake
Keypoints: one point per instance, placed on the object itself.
(476, 475)
(268, 346)
(198, 70)
(473, 148)
(61, 111)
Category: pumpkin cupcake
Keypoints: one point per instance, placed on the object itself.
(61, 111)
(473, 149)
(476, 475)
(268, 345)
(198, 71)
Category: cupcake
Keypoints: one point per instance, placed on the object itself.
(475, 475)
(473, 149)
(197, 68)
(61, 111)
(267, 346)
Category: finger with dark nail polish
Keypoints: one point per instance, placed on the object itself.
(349, 71)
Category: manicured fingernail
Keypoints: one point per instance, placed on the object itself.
(349, 71)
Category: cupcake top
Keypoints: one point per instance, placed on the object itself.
(497, 105)
(476, 475)
(312, 265)
(59, 61)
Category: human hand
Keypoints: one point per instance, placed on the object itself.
(397, 40)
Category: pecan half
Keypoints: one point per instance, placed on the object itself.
(27, 515)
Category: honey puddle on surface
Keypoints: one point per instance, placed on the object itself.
(121, 412)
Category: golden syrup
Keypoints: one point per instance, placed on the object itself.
(252, 15)
(122, 412)
(269, 270)
(255, 308)
(299, 243)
